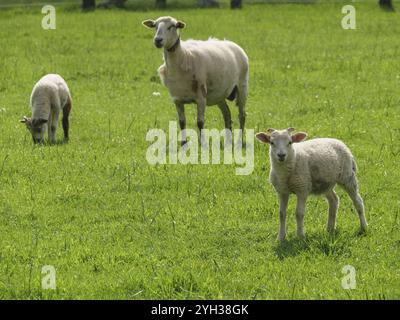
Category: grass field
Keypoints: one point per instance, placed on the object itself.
(115, 227)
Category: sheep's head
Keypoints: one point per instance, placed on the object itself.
(37, 127)
(167, 31)
(280, 142)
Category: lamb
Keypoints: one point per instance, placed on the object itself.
(310, 167)
(202, 72)
(49, 96)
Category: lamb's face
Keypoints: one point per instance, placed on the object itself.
(281, 145)
(37, 128)
(167, 33)
(281, 142)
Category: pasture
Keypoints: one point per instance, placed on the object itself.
(115, 227)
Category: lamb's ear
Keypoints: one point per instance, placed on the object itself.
(24, 120)
(149, 23)
(270, 130)
(298, 137)
(263, 137)
(180, 25)
(290, 129)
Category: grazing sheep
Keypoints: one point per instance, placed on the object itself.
(49, 96)
(310, 167)
(202, 72)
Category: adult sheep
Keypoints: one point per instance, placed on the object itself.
(202, 72)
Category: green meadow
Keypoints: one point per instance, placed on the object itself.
(115, 227)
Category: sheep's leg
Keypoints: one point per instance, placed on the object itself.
(283, 203)
(301, 206)
(53, 125)
(241, 103)
(201, 108)
(65, 119)
(223, 106)
(333, 202)
(49, 124)
(352, 190)
(180, 108)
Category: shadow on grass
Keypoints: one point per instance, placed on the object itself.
(334, 244)
(291, 248)
(59, 142)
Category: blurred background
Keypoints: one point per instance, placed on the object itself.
(151, 4)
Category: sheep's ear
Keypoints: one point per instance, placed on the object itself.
(298, 137)
(24, 120)
(180, 25)
(149, 23)
(270, 130)
(263, 137)
(290, 129)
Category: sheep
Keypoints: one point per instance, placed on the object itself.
(202, 72)
(310, 167)
(49, 96)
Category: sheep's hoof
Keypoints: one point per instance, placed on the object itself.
(330, 229)
(362, 231)
(281, 237)
(301, 235)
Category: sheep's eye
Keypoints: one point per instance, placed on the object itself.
(290, 142)
(272, 143)
(170, 27)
